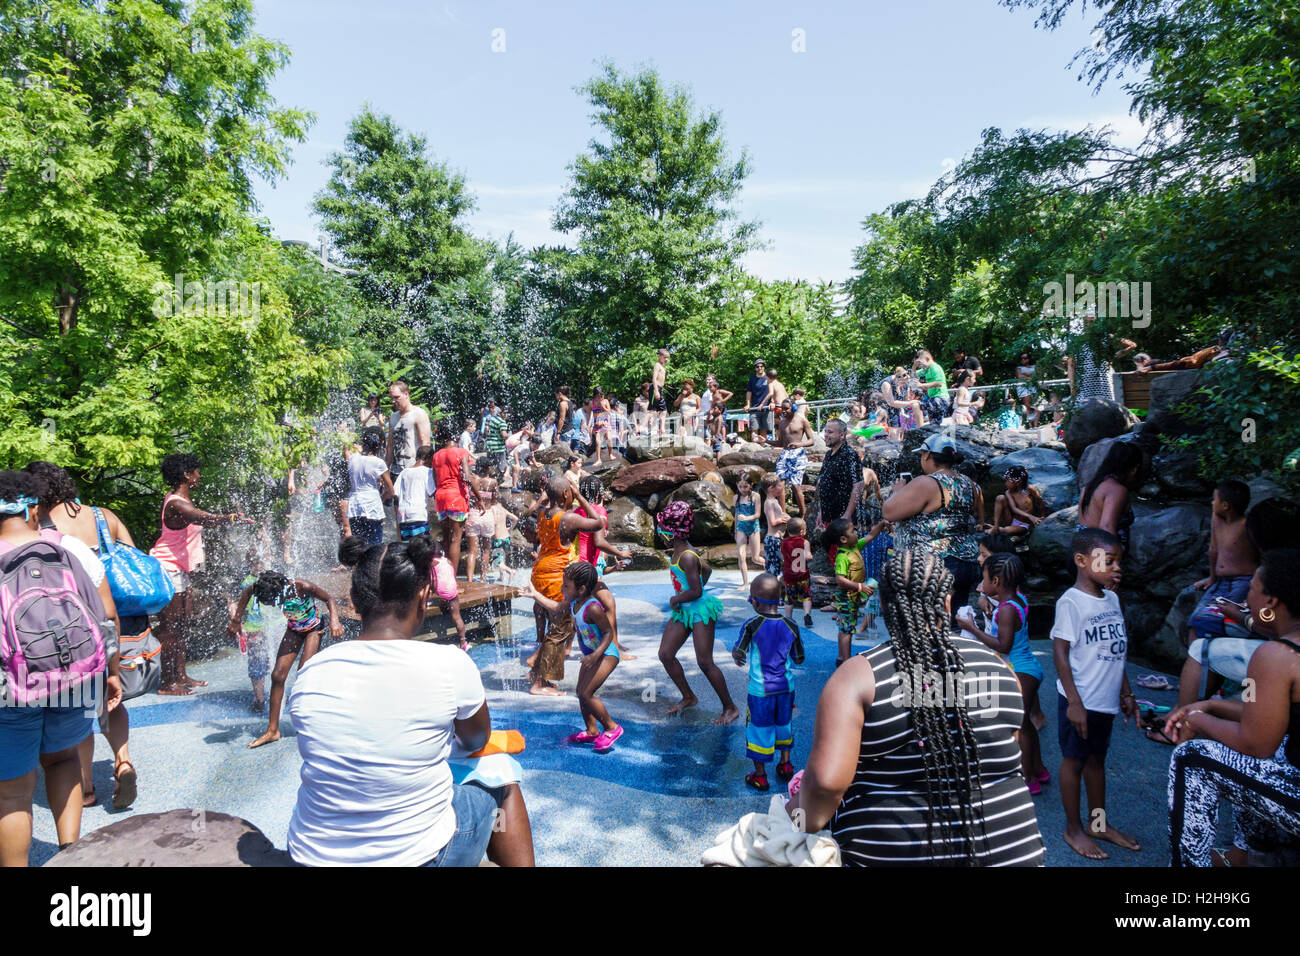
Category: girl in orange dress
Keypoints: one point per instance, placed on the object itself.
(557, 535)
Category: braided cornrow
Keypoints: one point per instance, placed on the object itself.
(915, 583)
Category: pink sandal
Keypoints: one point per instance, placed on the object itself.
(1035, 788)
(582, 737)
(1044, 777)
(605, 742)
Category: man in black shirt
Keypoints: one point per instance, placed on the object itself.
(839, 486)
(755, 393)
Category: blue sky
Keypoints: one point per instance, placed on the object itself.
(883, 96)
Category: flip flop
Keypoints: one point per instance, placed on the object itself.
(1155, 682)
(124, 785)
(1158, 735)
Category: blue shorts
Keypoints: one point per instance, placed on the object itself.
(1079, 748)
(1206, 620)
(28, 732)
(475, 807)
(768, 726)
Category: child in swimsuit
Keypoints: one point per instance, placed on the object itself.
(304, 627)
(748, 543)
(600, 654)
(480, 528)
(1003, 575)
(692, 613)
(1021, 507)
(447, 591)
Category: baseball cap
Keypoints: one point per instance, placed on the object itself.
(938, 443)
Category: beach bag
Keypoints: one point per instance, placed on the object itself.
(51, 642)
(138, 662)
(139, 582)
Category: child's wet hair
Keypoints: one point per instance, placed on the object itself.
(1007, 569)
(386, 578)
(1236, 494)
(794, 528)
(583, 575)
(272, 587)
(592, 488)
(372, 440)
(770, 482)
(424, 455)
(835, 531)
(996, 543)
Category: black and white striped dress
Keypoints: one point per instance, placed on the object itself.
(884, 815)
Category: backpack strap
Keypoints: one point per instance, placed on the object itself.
(101, 526)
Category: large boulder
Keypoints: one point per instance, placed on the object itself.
(1167, 539)
(1169, 643)
(1177, 474)
(731, 474)
(1092, 421)
(174, 838)
(881, 456)
(1165, 542)
(1049, 472)
(642, 448)
(630, 523)
(608, 467)
(1049, 543)
(712, 503)
(1168, 391)
(750, 453)
(517, 502)
(647, 477)
(722, 556)
(646, 559)
(556, 454)
(704, 467)
(976, 447)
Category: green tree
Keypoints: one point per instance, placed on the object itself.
(129, 135)
(650, 207)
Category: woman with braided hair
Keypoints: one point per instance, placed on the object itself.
(914, 757)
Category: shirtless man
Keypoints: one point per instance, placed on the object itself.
(776, 393)
(1233, 560)
(794, 434)
(408, 429)
(659, 401)
(563, 414)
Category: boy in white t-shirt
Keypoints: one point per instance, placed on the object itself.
(1090, 645)
(413, 490)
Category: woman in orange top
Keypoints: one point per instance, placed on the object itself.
(557, 535)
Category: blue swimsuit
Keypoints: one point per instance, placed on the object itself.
(1021, 658)
(589, 635)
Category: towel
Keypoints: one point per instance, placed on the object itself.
(771, 839)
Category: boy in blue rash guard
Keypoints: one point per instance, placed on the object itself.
(769, 646)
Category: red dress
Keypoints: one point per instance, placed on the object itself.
(452, 493)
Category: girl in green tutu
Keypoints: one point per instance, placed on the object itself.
(691, 613)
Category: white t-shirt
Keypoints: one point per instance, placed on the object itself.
(87, 558)
(364, 500)
(413, 493)
(405, 435)
(375, 729)
(467, 440)
(1094, 629)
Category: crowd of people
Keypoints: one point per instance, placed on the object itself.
(925, 748)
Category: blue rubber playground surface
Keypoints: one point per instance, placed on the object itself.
(659, 798)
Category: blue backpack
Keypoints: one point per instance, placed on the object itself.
(139, 582)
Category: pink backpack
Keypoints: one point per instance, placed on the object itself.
(51, 642)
